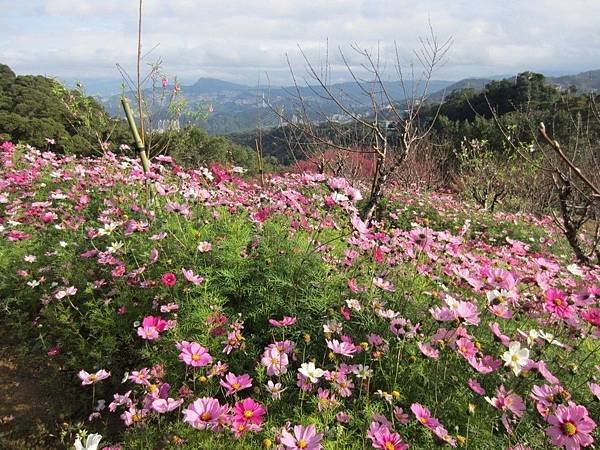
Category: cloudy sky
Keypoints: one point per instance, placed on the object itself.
(241, 40)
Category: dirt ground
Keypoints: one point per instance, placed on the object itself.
(27, 413)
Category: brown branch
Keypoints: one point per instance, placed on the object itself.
(557, 148)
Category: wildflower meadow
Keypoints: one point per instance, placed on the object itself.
(194, 309)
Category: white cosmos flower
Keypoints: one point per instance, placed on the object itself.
(311, 372)
(516, 357)
(275, 389)
(91, 443)
(362, 372)
(575, 270)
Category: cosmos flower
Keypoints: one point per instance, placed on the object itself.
(169, 279)
(233, 383)
(193, 354)
(311, 372)
(516, 357)
(206, 413)
(571, 427)
(303, 438)
(92, 378)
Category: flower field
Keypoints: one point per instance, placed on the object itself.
(193, 309)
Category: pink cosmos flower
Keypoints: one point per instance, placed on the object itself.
(466, 348)
(382, 438)
(191, 277)
(151, 327)
(304, 438)
(248, 411)
(507, 401)
(234, 383)
(443, 435)
(163, 405)
(400, 416)
(424, 416)
(428, 350)
(169, 307)
(169, 279)
(556, 303)
(571, 427)
(342, 417)
(275, 361)
(140, 376)
(592, 316)
(501, 279)
(193, 354)
(234, 340)
(206, 413)
(476, 387)
(133, 416)
(384, 285)
(343, 348)
(204, 247)
(495, 329)
(120, 400)
(91, 378)
(421, 237)
(285, 322)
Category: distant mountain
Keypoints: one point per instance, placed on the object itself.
(212, 85)
(476, 84)
(235, 107)
(584, 82)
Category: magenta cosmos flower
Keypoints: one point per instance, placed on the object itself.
(571, 427)
(91, 378)
(151, 327)
(234, 383)
(169, 279)
(556, 303)
(304, 438)
(382, 438)
(424, 416)
(206, 413)
(248, 412)
(592, 315)
(193, 354)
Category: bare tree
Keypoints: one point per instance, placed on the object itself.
(573, 169)
(388, 130)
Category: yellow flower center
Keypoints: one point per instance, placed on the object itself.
(389, 446)
(515, 358)
(248, 414)
(236, 386)
(205, 416)
(302, 443)
(557, 301)
(569, 428)
(195, 357)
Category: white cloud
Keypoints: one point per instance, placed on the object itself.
(239, 39)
